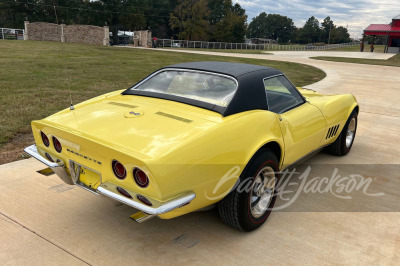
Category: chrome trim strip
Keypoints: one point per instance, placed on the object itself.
(107, 189)
(273, 76)
(306, 157)
(58, 169)
(87, 189)
(32, 151)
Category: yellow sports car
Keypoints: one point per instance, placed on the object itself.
(194, 135)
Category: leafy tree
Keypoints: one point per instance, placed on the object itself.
(154, 15)
(258, 27)
(272, 26)
(336, 34)
(343, 35)
(327, 26)
(217, 11)
(228, 21)
(230, 29)
(237, 9)
(311, 31)
(219, 20)
(8, 15)
(190, 18)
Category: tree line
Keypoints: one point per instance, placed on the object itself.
(282, 29)
(205, 20)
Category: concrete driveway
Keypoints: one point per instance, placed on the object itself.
(44, 221)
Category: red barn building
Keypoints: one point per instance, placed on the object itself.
(391, 31)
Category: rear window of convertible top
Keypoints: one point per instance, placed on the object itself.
(202, 86)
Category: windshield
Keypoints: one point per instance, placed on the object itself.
(201, 86)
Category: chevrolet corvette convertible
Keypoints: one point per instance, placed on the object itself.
(194, 135)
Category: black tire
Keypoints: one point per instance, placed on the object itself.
(339, 147)
(235, 209)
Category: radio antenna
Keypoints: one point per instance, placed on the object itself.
(71, 107)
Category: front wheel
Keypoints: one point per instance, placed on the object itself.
(344, 142)
(250, 204)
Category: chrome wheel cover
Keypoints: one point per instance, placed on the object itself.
(350, 132)
(262, 191)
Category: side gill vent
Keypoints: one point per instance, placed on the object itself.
(332, 132)
(175, 117)
(122, 104)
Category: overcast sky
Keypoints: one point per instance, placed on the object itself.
(355, 14)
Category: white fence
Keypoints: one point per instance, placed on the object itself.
(11, 34)
(247, 46)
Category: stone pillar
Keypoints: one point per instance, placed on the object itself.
(149, 39)
(26, 33)
(62, 33)
(106, 40)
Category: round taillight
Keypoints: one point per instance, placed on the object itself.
(49, 157)
(57, 145)
(123, 192)
(144, 200)
(140, 178)
(119, 169)
(45, 139)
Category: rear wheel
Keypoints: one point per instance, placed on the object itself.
(344, 142)
(250, 204)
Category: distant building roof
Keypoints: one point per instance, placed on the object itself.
(382, 27)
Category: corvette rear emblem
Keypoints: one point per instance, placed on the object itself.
(133, 114)
(83, 156)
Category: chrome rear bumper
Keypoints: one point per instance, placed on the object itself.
(58, 168)
(109, 189)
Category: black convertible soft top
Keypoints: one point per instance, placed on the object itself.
(232, 69)
(250, 94)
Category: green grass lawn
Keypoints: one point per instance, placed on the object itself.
(356, 48)
(393, 61)
(35, 83)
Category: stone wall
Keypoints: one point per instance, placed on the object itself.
(42, 31)
(87, 34)
(84, 34)
(143, 38)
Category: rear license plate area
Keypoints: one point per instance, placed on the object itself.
(84, 176)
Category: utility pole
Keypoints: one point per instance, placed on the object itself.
(329, 38)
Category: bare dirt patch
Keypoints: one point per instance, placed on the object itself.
(14, 150)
